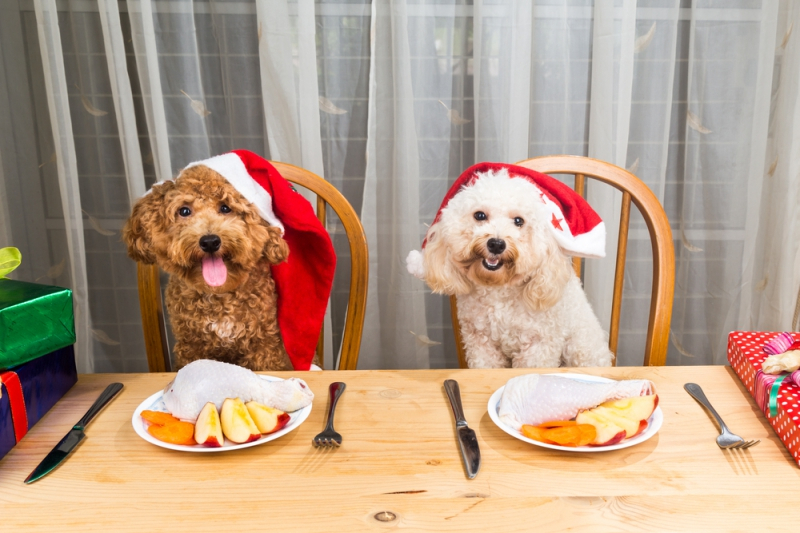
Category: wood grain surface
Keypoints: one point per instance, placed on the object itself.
(400, 455)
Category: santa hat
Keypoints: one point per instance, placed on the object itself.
(303, 282)
(577, 228)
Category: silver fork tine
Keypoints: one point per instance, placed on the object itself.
(329, 438)
(726, 439)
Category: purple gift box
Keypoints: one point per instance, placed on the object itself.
(43, 382)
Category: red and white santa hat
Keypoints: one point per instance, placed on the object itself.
(577, 228)
(303, 282)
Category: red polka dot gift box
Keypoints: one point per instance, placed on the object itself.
(777, 395)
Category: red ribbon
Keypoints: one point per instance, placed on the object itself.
(18, 413)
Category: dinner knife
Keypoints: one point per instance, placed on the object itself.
(71, 440)
(467, 440)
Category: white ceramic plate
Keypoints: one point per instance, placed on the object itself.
(653, 423)
(156, 403)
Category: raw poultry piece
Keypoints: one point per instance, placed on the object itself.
(535, 399)
(205, 381)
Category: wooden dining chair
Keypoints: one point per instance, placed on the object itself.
(633, 189)
(150, 301)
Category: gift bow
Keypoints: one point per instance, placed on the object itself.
(10, 258)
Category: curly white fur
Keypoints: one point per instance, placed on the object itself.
(521, 306)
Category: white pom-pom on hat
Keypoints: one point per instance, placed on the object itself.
(415, 263)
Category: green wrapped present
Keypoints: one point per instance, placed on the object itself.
(34, 320)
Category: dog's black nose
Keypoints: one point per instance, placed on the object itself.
(210, 243)
(496, 246)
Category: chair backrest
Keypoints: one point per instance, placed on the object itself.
(153, 322)
(633, 189)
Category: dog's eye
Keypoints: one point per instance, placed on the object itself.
(479, 215)
(224, 209)
(518, 221)
(184, 211)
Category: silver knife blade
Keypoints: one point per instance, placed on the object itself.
(467, 440)
(74, 437)
(57, 454)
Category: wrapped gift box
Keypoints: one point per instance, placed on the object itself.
(34, 320)
(30, 390)
(746, 355)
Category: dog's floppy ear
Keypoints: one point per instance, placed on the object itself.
(146, 216)
(276, 250)
(546, 285)
(441, 273)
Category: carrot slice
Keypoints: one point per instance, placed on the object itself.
(564, 436)
(558, 424)
(159, 418)
(175, 433)
(568, 433)
(588, 434)
(536, 433)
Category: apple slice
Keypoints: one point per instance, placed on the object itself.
(612, 416)
(207, 428)
(608, 433)
(267, 419)
(635, 408)
(237, 424)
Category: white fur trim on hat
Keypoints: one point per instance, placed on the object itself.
(415, 263)
(231, 167)
(589, 244)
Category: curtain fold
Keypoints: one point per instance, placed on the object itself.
(67, 169)
(609, 126)
(143, 37)
(502, 62)
(776, 258)
(395, 303)
(122, 97)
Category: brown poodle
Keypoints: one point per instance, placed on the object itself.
(218, 250)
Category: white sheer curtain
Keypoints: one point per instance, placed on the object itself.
(55, 80)
(390, 100)
(775, 258)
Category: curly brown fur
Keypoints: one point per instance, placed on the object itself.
(235, 322)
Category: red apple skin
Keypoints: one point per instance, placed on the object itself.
(619, 437)
(211, 442)
(283, 419)
(642, 427)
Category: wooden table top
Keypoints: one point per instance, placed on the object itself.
(400, 455)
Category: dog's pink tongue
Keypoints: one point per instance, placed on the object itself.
(214, 271)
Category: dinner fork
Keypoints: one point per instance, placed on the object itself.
(726, 439)
(328, 437)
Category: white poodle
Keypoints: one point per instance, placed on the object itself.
(520, 303)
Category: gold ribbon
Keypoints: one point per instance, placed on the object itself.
(10, 258)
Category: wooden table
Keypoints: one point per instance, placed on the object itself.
(400, 455)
